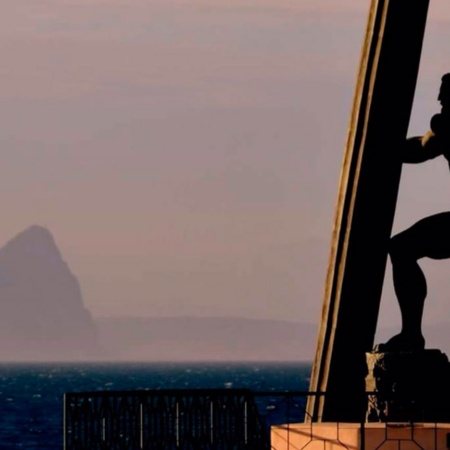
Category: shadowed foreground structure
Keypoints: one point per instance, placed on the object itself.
(226, 419)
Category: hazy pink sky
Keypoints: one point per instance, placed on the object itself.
(185, 154)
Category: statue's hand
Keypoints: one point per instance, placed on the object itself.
(440, 125)
(437, 124)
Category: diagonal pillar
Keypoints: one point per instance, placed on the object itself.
(366, 204)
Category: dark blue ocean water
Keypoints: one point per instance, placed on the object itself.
(31, 395)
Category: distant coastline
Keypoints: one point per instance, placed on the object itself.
(205, 339)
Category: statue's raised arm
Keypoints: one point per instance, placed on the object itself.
(419, 149)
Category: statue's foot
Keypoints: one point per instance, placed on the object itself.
(403, 343)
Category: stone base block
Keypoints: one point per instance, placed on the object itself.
(408, 386)
(368, 436)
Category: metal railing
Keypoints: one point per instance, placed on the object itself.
(163, 419)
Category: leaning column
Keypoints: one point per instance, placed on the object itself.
(365, 208)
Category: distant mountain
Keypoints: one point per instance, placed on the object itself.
(42, 316)
(206, 339)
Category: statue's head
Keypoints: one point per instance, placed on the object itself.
(444, 91)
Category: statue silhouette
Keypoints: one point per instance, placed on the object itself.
(429, 237)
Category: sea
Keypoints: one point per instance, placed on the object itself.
(31, 395)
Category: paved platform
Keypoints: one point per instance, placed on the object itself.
(355, 436)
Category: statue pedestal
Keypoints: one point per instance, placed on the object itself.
(355, 436)
(408, 386)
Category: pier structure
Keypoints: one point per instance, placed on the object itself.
(226, 419)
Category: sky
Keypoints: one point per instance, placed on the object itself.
(185, 154)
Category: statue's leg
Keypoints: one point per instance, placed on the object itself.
(430, 237)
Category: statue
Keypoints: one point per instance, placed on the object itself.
(429, 237)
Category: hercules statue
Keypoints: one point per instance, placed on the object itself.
(429, 237)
